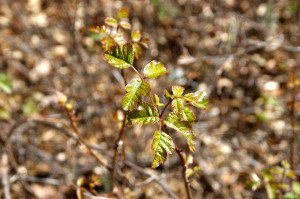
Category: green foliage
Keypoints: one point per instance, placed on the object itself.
(5, 83)
(144, 114)
(120, 57)
(273, 181)
(29, 107)
(136, 88)
(120, 53)
(162, 145)
(154, 69)
(173, 120)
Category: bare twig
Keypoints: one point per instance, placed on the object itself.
(4, 170)
(183, 163)
(292, 138)
(104, 152)
(82, 141)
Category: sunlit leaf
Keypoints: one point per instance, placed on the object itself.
(177, 91)
(125, 25)
(157, 100)
(184, 127)
(285, 164)
(104, 29)
(168, 95)
(137, 50)
(191, 97)
(162, 146)
(107, 43)
(267, 175)
(188, 115)
(111, 22)
(4, 114)
(136, 88)
(271, 190)
(296, 187)
(120, 39)
(5, 83)
(202, 100)
(290, 195)
(145, 42)
(123, 13)
(177, 105)
(136, 35)
(291, 174)
(120, 57)
(144, 114)
(154, 69)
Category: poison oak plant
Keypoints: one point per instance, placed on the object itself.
(120, 53)
(138, 104)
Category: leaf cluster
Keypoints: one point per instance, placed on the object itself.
(120, 53)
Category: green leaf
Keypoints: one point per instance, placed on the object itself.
(125, 25)
(202, 100)
(157, 100)
(188, 115)
(144, 114)
(154, 69)
(5, 83)
(120, 57)
(267, 175)
(111, 22)
(137, 50)
(177, 105)
(184, 127)
(29, 107)
(271, 190)
(177, 91)
(136, 35)
(290, 195)
(107, 43)
(168, 95)
(145, 42)
(120, 39)
(296, 187)
(123, 13)
(191, 97)
(4, 114)
(136, 88)
(162, 146)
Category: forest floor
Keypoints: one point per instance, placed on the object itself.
(242, 53)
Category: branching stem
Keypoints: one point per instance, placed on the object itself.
(82, 141)
(184, 168)
(137, 72)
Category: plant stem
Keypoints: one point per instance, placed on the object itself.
(169, 102)
(82, 141)
(119, 142)
(152, 101)
(292, 138)
(137, 72)
(184, 167)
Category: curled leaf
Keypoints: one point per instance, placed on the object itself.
(177, 90)
(136, 35)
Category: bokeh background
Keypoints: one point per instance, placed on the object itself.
(242, 53)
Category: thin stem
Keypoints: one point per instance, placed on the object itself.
(119, 143)
(82, 141)
(292, 138)
(169, 102)
(5, 179)
(152, 101)
(137, 72)
(184, 168)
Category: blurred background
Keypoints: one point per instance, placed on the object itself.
(242, 53)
